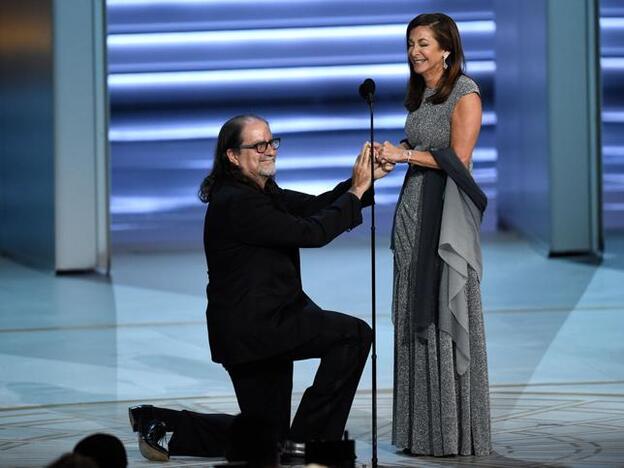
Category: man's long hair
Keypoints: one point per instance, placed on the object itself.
(446, 33)
(230, 137)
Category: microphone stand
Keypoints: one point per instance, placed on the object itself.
(370, 101)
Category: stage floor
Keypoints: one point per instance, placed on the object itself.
(75, 351)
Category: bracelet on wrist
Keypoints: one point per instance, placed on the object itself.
(409, 156)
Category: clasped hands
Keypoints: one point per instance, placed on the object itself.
(361, 180)
(388, 154)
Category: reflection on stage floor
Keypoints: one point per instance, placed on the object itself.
(75, 351)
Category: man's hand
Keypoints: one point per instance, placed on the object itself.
(382, 169)
(361, 179)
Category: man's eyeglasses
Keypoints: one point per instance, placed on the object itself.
(262, 146)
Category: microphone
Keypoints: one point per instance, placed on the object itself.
(367, 90)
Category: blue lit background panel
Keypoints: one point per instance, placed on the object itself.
(283, 47)
(208, 15)
(612, 51)
(178, 70)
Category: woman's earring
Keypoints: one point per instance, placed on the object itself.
(444, 57)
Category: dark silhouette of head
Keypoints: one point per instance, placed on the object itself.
(73, 460)
(105, 449)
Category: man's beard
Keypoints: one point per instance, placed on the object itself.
(267, 170)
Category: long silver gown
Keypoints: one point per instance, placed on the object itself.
(436, 411)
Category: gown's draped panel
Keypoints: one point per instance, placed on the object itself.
(436, 411)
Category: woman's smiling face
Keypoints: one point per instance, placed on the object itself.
(424, 52)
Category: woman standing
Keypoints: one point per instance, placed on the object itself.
(441, 395)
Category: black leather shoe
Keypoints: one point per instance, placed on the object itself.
(151, 442)
(140, 416)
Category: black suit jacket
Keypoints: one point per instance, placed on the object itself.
(256, 304)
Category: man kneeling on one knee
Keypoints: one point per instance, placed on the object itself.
(259, 318)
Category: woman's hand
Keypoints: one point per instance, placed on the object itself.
(388, 153)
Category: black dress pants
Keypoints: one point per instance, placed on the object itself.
(264, 388)
(196, 434)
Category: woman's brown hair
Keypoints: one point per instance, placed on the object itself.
(446, 33)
